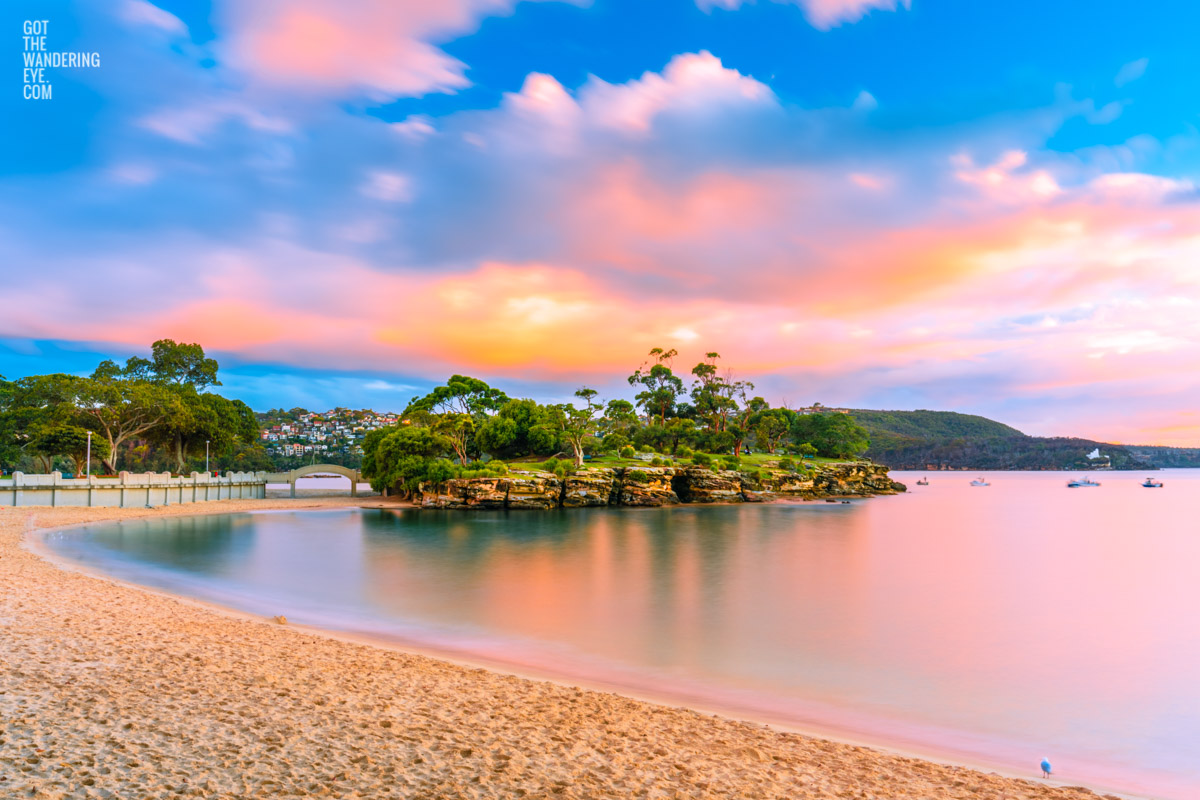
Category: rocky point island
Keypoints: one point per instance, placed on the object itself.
(656, 486)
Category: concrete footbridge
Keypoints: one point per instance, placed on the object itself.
(317, 469)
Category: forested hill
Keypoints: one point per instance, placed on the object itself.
(930, 424)
(923, 440)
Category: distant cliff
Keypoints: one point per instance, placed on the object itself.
(657, 486)
(933, 440)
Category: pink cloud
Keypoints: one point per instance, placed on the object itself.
(822, 14)
(1005, 181)
(690, 82)
(382, 47)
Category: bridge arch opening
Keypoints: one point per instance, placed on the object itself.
(308, 470)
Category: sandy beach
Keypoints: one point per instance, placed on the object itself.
(108, 691)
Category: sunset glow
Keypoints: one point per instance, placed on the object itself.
(383, 192)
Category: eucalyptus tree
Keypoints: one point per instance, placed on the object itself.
(70, 441)
(578, 424)
(771, 428)
(519, 428)
(719, 399)
(661, 387)
(32, 407)
(120, 409)
(173, 363)
(456, 410)
(404, 456)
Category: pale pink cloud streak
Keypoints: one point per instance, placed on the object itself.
(822, 14)
(383, 47)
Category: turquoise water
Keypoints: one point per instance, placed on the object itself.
(995, 625)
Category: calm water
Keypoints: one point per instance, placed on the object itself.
(994, 624)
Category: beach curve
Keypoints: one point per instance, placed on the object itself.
(109, 690)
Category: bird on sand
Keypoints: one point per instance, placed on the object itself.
(1045, 768)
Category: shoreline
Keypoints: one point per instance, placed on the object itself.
(876, 770)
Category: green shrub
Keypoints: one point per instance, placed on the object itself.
(683, 451)
(702, 460)
(637, 476)
(551, 464)
(787, 465)
(645, 449)
(658, 462)
(627, 452)
(614, 441)
(730, 462)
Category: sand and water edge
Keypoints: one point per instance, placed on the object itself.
(113, 690)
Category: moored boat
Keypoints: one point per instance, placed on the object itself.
(923, 482)
(1150, 483)
(980, 482)
(1081, 482)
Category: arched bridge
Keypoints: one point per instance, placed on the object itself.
(317, 469)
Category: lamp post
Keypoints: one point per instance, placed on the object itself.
(89, 455)
(206, 458)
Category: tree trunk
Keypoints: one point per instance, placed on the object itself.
(113, 443)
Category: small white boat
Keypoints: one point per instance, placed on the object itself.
(980, 482)
(1081, 482)
(1150, 483)
(923, 482)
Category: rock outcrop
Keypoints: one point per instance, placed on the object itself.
(482, 493)
(589, 487)
(702, 485)
(858, 478)
(646, 486)
(534, 490)
(658, 486)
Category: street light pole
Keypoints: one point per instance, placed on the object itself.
(89, 455)
(206, 458)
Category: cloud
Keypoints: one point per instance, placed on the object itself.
(1106, 113)
(1006, 181)
(414, 128)
(865, 102)
(391, 187)
(1131, 71)
(689, 206)
(385, 386)
(822, 14)
(140, 12)
(383, 48)
(192, 123)
(693, 82)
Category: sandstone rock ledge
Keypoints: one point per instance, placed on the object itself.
(657, 486)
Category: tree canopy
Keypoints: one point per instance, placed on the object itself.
(161, 402)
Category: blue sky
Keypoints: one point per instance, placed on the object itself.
(984, 207)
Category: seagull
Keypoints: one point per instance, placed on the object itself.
(1045, 768)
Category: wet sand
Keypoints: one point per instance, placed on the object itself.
(108, 690)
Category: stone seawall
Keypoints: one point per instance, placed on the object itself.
(130, 490)
(657, 486)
